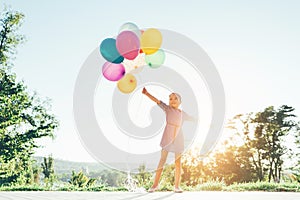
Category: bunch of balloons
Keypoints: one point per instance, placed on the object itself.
(128, 52)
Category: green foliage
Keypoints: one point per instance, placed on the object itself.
(258, 143)
(23, 188)
(91, 182)
(24, 117)
(296, 155)
(254, 151)
(36, 174)
(207, 186)
(97, 188)
(232, 166)
(48, 168)
(264, 186)
(168, 176)
(80, 180)
(166, 186)
(272, 126)
(143, 177)
(212, 185)
(49, 182)
(113, 178)
(10, 22)
(194, 170)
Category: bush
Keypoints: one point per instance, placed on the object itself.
(265, 186)
(213, 185)
(22, 188)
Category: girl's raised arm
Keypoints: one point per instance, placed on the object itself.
(145, 92)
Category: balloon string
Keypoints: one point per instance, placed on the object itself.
(136, 116)
(128, 153)
(139, 107)
(140, 101)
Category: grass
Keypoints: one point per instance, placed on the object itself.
(208, 186)
(23, 188)
(211, 186)
(264, 186)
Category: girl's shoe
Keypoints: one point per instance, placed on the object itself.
(152, 189)
(178, 190)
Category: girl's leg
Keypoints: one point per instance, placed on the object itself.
(177, 170)
(160, 167)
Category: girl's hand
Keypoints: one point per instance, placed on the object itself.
(144, 91)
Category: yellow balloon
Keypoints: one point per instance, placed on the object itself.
(127, 84)
(151, 41)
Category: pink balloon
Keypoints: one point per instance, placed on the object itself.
(128, 44)
(112, 71)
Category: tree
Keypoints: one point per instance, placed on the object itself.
(251, 146)
(296, 169)
(48, 167)
(274, 125)
(112, 178)
(263, 138)
(194, 171)
(24, 117)
(80, 180)
(232, 166)
(10, 22)
(36, 174)
(48, 170)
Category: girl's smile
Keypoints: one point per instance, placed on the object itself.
(174, 102)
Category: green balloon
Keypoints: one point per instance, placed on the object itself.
(156, 59)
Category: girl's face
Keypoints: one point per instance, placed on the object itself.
(174, 102)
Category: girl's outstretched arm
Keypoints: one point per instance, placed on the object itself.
(145, 92)
(188, 117)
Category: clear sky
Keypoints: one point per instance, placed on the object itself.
(255, 46)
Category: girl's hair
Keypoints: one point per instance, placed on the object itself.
(177, 95)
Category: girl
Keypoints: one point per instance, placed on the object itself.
(172, 139)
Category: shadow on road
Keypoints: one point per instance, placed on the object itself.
(149, 196)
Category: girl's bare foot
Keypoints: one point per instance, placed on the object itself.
(153, 189)
(178, 190)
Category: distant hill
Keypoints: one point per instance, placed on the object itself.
(66, 167)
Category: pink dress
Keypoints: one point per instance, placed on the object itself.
(172, 139)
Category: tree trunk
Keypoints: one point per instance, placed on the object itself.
(260, 170)
(276, 173)
(270, 173)
(279, 174)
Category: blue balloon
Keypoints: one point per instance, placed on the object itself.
(109, 51)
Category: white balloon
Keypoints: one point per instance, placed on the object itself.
(129, 26)
(136, 65)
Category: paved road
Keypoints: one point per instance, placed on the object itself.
(149, 196)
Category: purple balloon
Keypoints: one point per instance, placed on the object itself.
(112, 71)
(128, 44)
